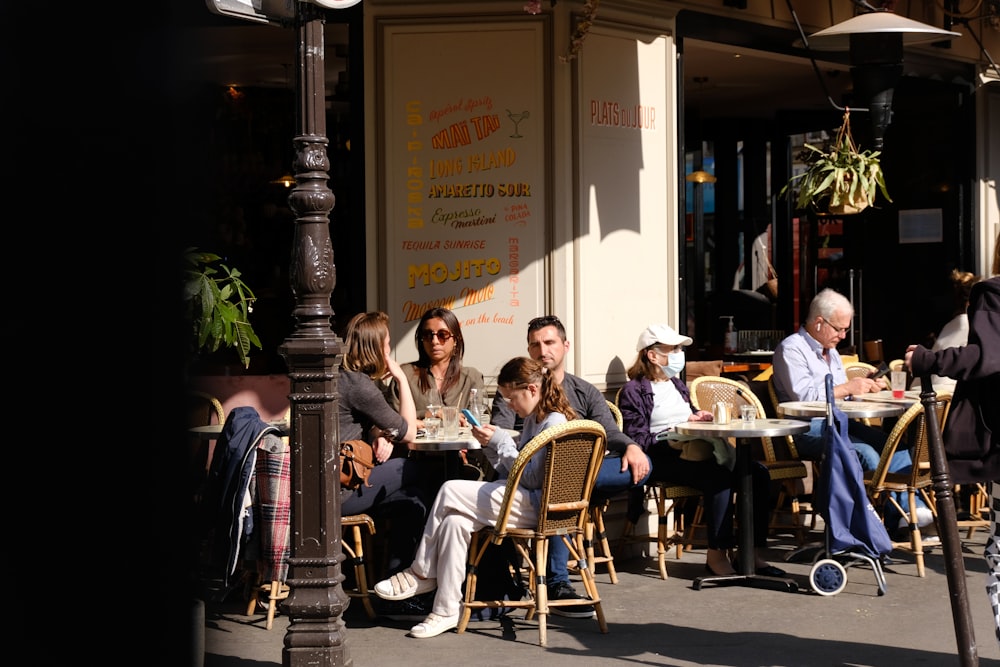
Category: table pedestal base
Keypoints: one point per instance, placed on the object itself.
(747, 580)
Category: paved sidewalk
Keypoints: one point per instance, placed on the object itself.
(656, 622)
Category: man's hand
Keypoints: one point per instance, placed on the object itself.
(858, 386)
(635, 459)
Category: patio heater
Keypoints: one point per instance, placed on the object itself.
(875, 41)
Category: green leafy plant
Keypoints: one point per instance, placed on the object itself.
(217, 303)
(840, 178)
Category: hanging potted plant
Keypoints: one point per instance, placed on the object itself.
(839, 179)
(217, 305)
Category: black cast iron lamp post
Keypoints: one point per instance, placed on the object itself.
(876, 41)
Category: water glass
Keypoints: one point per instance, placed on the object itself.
(748, 413)
(449, 422)
(433, 427)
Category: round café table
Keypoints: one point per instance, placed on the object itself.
(213, 431)
(744, 434)
(854, 409)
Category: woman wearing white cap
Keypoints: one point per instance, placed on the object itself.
(652, 402)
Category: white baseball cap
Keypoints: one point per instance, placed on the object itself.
(660, 333)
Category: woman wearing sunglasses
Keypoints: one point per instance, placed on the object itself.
(438, 376)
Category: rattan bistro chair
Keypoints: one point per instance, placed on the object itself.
(360, 527)
(881, 484)
(706, 391)
(573, 453)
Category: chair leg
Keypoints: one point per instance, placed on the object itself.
(696, 522)
(541, 609)
(357, 552)
(277, 592)
(470, 583)
(253, 590)
(916, 539)
(601, 537)
(590, 585)
(795, 522)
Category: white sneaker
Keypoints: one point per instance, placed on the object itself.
(434, 625)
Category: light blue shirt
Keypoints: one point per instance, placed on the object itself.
(800, 370)
(501, 451)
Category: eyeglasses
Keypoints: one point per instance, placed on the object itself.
(443, 335)
(839, 330)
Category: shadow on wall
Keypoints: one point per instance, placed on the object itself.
(615, 377)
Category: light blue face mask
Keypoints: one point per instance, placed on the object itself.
(675, 364)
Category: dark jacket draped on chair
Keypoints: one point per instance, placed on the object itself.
(227, 501)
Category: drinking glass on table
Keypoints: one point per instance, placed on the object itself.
(449, 421)
(898, 379)
(433, 427)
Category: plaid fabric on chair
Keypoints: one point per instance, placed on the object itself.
(273, 506)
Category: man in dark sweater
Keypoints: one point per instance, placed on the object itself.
(625, 467)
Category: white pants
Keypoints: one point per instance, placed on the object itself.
(461, 508)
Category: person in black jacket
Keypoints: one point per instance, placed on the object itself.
(970, 432)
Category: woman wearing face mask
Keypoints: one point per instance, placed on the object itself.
(652, 402)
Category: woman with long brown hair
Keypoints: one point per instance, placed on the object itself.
(396, 490)
(438, 376)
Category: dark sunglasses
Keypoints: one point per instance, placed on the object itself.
(443, 336)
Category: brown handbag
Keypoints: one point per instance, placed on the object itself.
(357, 458)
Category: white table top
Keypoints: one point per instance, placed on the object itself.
(442, 444)
(736, 428)
(853, 409)
(910, 396)
(213, 431)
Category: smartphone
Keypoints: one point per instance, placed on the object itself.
(881, 371)
(471, 418)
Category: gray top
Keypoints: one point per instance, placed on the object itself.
(588, 402)
(458, 395)
(362, 406)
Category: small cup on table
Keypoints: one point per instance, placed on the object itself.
(433, 427)
(898, 383)
(748, 413)
(449, 421)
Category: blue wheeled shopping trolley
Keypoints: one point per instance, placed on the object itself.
(854, 533)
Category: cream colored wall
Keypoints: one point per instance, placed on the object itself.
(626, 227)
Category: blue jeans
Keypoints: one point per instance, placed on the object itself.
(866, 441)
(810, 446)
(610, 482)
